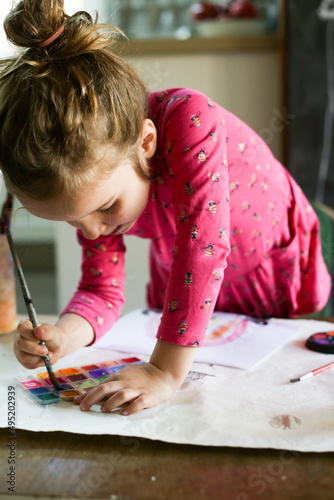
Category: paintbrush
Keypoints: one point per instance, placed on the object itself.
(5, 218)
(312, 373)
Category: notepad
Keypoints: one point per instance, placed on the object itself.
(231, 339)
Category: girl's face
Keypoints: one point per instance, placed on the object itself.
(108, 206)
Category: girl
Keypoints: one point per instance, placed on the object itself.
(83, 142)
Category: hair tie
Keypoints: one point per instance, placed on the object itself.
(52, 38)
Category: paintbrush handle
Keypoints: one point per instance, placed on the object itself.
(26, 294)
(29, 304)
(25, 290)
(312, 373)
(322, 368)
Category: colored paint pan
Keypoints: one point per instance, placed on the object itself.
(69, 371)
(77, 377)
(32, 384)
(100, 372)
(89, 367)
(61, 380)
(69, 395)
(115, 369)
(74, 381)
(40, 390)
(47, 399)
(131, 360)
(112, 363)
(87, 383)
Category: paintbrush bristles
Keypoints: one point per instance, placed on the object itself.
(6, 213)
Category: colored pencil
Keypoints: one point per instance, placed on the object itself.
(312, 373)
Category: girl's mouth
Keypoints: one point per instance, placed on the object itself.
(117, 230)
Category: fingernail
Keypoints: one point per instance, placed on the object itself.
(124, 412)
(83, 407)
(103, 409)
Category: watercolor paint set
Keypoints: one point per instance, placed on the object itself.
(73, 381)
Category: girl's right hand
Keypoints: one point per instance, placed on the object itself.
(27, 348)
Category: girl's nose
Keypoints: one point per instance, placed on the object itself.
(91, 227)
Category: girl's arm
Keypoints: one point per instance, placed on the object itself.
(77, 332)
(173, 360)
(94, 308)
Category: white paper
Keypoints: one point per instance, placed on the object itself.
(231, 339)
(216, 405)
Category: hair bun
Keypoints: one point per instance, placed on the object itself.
(32, 22)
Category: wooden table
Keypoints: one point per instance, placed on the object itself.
(63, 465)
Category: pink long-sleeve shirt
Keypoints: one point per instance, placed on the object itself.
(229, 229)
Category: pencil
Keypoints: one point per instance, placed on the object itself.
(25, 290)
(312, 373)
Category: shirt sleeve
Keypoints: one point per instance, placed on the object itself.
(195, 151)
(100, 294)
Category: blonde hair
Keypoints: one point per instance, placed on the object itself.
(61, 101)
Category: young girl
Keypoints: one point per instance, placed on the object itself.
(83, 142)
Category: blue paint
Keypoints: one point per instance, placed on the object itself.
(39, 390)
(101, 372)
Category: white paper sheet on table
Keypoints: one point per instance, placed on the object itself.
(216, 406)
(231, 339)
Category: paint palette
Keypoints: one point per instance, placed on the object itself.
(321, 342)
(73, 381)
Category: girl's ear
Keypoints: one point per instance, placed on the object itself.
(148, 141)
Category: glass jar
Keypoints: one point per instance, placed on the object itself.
(8, 308)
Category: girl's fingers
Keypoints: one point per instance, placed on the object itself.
(26, 346)
(77, 399)
(130, 398)
(26, 341)
(26, 330)
(29, 347)
(138, 404)
(28, 360)
(98, 394)
(119, 399)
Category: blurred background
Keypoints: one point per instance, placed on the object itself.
(266, 61)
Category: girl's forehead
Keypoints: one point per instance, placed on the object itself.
(80, 203)
(53, 209)
(63, 208)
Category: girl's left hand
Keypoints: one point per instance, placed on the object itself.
(136, 386)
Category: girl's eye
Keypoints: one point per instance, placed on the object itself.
(107, 210)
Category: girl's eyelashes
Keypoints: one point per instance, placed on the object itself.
(107, 210)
